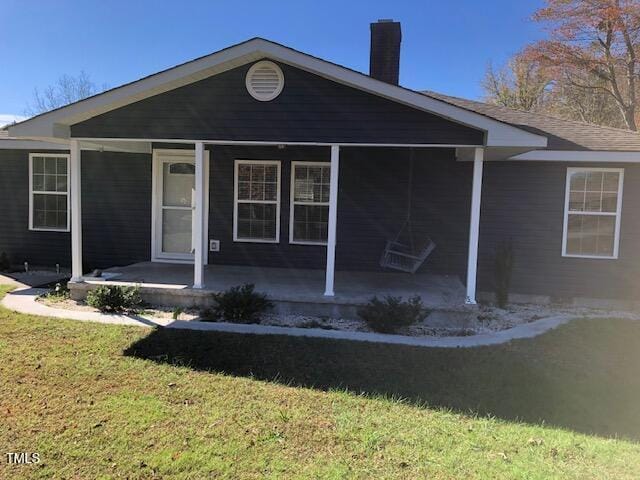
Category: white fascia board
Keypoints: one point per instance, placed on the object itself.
(35, 145)
(22, 144)
(497, 133)
(578, 156)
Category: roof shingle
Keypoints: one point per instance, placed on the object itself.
(561, 134)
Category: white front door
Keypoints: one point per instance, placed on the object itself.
(174, 188)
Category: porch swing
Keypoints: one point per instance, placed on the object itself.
(403, 253)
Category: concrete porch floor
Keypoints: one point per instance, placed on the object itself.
(292, 286)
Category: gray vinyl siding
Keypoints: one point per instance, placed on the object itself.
(524, 203)
(116, 208)
(116, 212)
(16, 240)
(309, 109)
(372, 207)
(373, 202)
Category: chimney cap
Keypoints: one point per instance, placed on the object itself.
(385, 20)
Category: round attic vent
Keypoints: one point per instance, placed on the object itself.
(264, 81)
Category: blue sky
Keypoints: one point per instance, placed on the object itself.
(446, 46)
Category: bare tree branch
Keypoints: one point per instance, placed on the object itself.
(67, 89)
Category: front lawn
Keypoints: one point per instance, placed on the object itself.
(107, 401)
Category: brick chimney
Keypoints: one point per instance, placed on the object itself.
(384, 62)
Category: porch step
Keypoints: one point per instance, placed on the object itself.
(334, 307)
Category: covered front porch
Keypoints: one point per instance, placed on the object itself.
(293, 290)
(367, 203)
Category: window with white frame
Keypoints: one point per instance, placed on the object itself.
(257, 201)
(592, 212)
(309, 202)
(49, 192)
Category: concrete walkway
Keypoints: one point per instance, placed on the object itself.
(24, 301)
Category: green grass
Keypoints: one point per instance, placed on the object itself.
(100, 401)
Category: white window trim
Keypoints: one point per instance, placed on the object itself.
(237, 163)
(31, 192)
(292, 201)
(618, 213)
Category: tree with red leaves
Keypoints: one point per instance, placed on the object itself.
(593, 39)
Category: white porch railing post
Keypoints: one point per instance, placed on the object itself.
(333, 219)
(76, 210)
(198, 236)
(474, 229)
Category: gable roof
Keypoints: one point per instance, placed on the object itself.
(561, 134)
(56, 123)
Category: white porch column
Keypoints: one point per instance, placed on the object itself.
(75, 193)
(474, 230)
(333, 219)
(198, 235)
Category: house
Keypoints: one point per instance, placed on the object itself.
(259, 156)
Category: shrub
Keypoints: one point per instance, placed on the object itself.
(5, 265)
(503, 268)
(238, 304)
(115, 298)
(390, 314)
(59, 294)
(177, 311)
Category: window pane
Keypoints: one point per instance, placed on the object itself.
(606, 235)
(243, 190)
(50, 165)
(315, 174)
(257, 221)
(271, 191)
(303, 190)
(594, 181)
(578, 181)
(50, 183)
(176, 188)
(176, 231)
(592, 201)
(609, 202)
(38, 165)
(38, 182)
(38, 219)
(244, 173)
(594, 192)
(310, 223)
(257, 191)
(324, 197)
(271, 174)
(38, 202)
(311, 183)
(592, 235)
(62, 166)
(182, 169)
(576, 201)
(611, 180)
(257, 182)
(50, 211)
(257, 173)
(589, 235)
(61, 183)
(300, 173)
(244, 229)
(61, 204)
